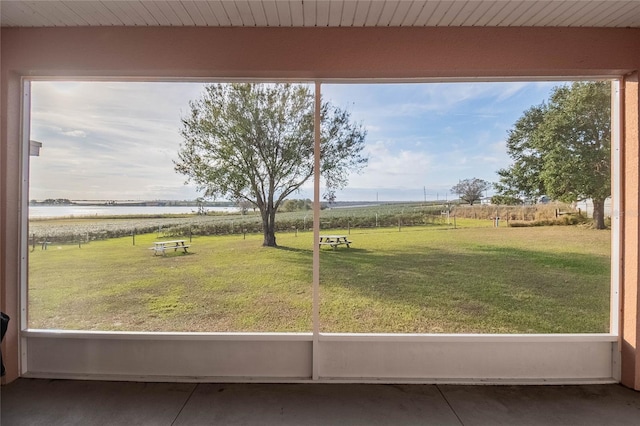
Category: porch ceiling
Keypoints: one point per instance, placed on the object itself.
(321, 13)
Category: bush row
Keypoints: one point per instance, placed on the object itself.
(251, 225)
(292, 224)
(536, 215)
(535, 212)
(563, 220)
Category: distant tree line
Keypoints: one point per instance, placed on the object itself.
(296, 205)
(52, 202)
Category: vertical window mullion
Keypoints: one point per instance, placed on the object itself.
(316, 232)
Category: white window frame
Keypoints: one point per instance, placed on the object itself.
(326, 357)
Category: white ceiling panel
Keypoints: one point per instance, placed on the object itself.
(297, 14)
(478, 14)
(181, 12)
(566, 11)
(320, 13)
(545, 14)
(127, 12)
(220, 14)
(387, 13)
(454, 8)
(415, 7)
(258, 13)
(335, 13)
(509, 12)
(527, 13)
(284, 14)
(622, 16)
(361, 13)
(206, 13)
(91, 15)
(195, 14)
(54, 14)
(582, 13)
(630, 19)
(501, 14)
(400, 14)
(245, 13)
(489, 13)
(68, 14)
(156, 12)
(309, 14)
(468, 9)
(235, 18)
(433, 14)
(348, 13)
(169, 13)
(271, 12)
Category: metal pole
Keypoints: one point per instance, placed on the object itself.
(316, 235)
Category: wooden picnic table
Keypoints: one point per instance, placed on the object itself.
(163, 246)
(334, 240)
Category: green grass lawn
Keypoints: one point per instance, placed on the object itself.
(432, 279)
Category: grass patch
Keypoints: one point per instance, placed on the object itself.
(424, 279)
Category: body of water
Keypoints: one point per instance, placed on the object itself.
(83, 211)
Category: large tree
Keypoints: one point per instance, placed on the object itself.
(562, 148)
(255, 142)
(470, 190)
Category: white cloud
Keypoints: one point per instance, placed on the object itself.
(120, 138)
(388, 168)
(75, 133)
(108, 139)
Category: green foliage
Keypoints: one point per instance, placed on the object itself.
(561, 221)
(563, 148)
(296, 205)
(506, 200)
(470, 190)
(255, 142)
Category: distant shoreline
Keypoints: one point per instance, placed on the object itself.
(130, 203)
(47, 211)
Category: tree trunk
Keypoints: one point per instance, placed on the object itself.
(598, 214)
(268, 227)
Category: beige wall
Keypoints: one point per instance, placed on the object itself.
(317, 53)
(630, 302)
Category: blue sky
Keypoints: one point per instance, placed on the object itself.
(117, 140)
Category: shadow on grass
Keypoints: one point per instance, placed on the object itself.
(522, 290)
(308, 252)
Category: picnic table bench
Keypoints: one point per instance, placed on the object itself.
(163, 246)
(334, 240)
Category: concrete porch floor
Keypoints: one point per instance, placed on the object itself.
(66, 402)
